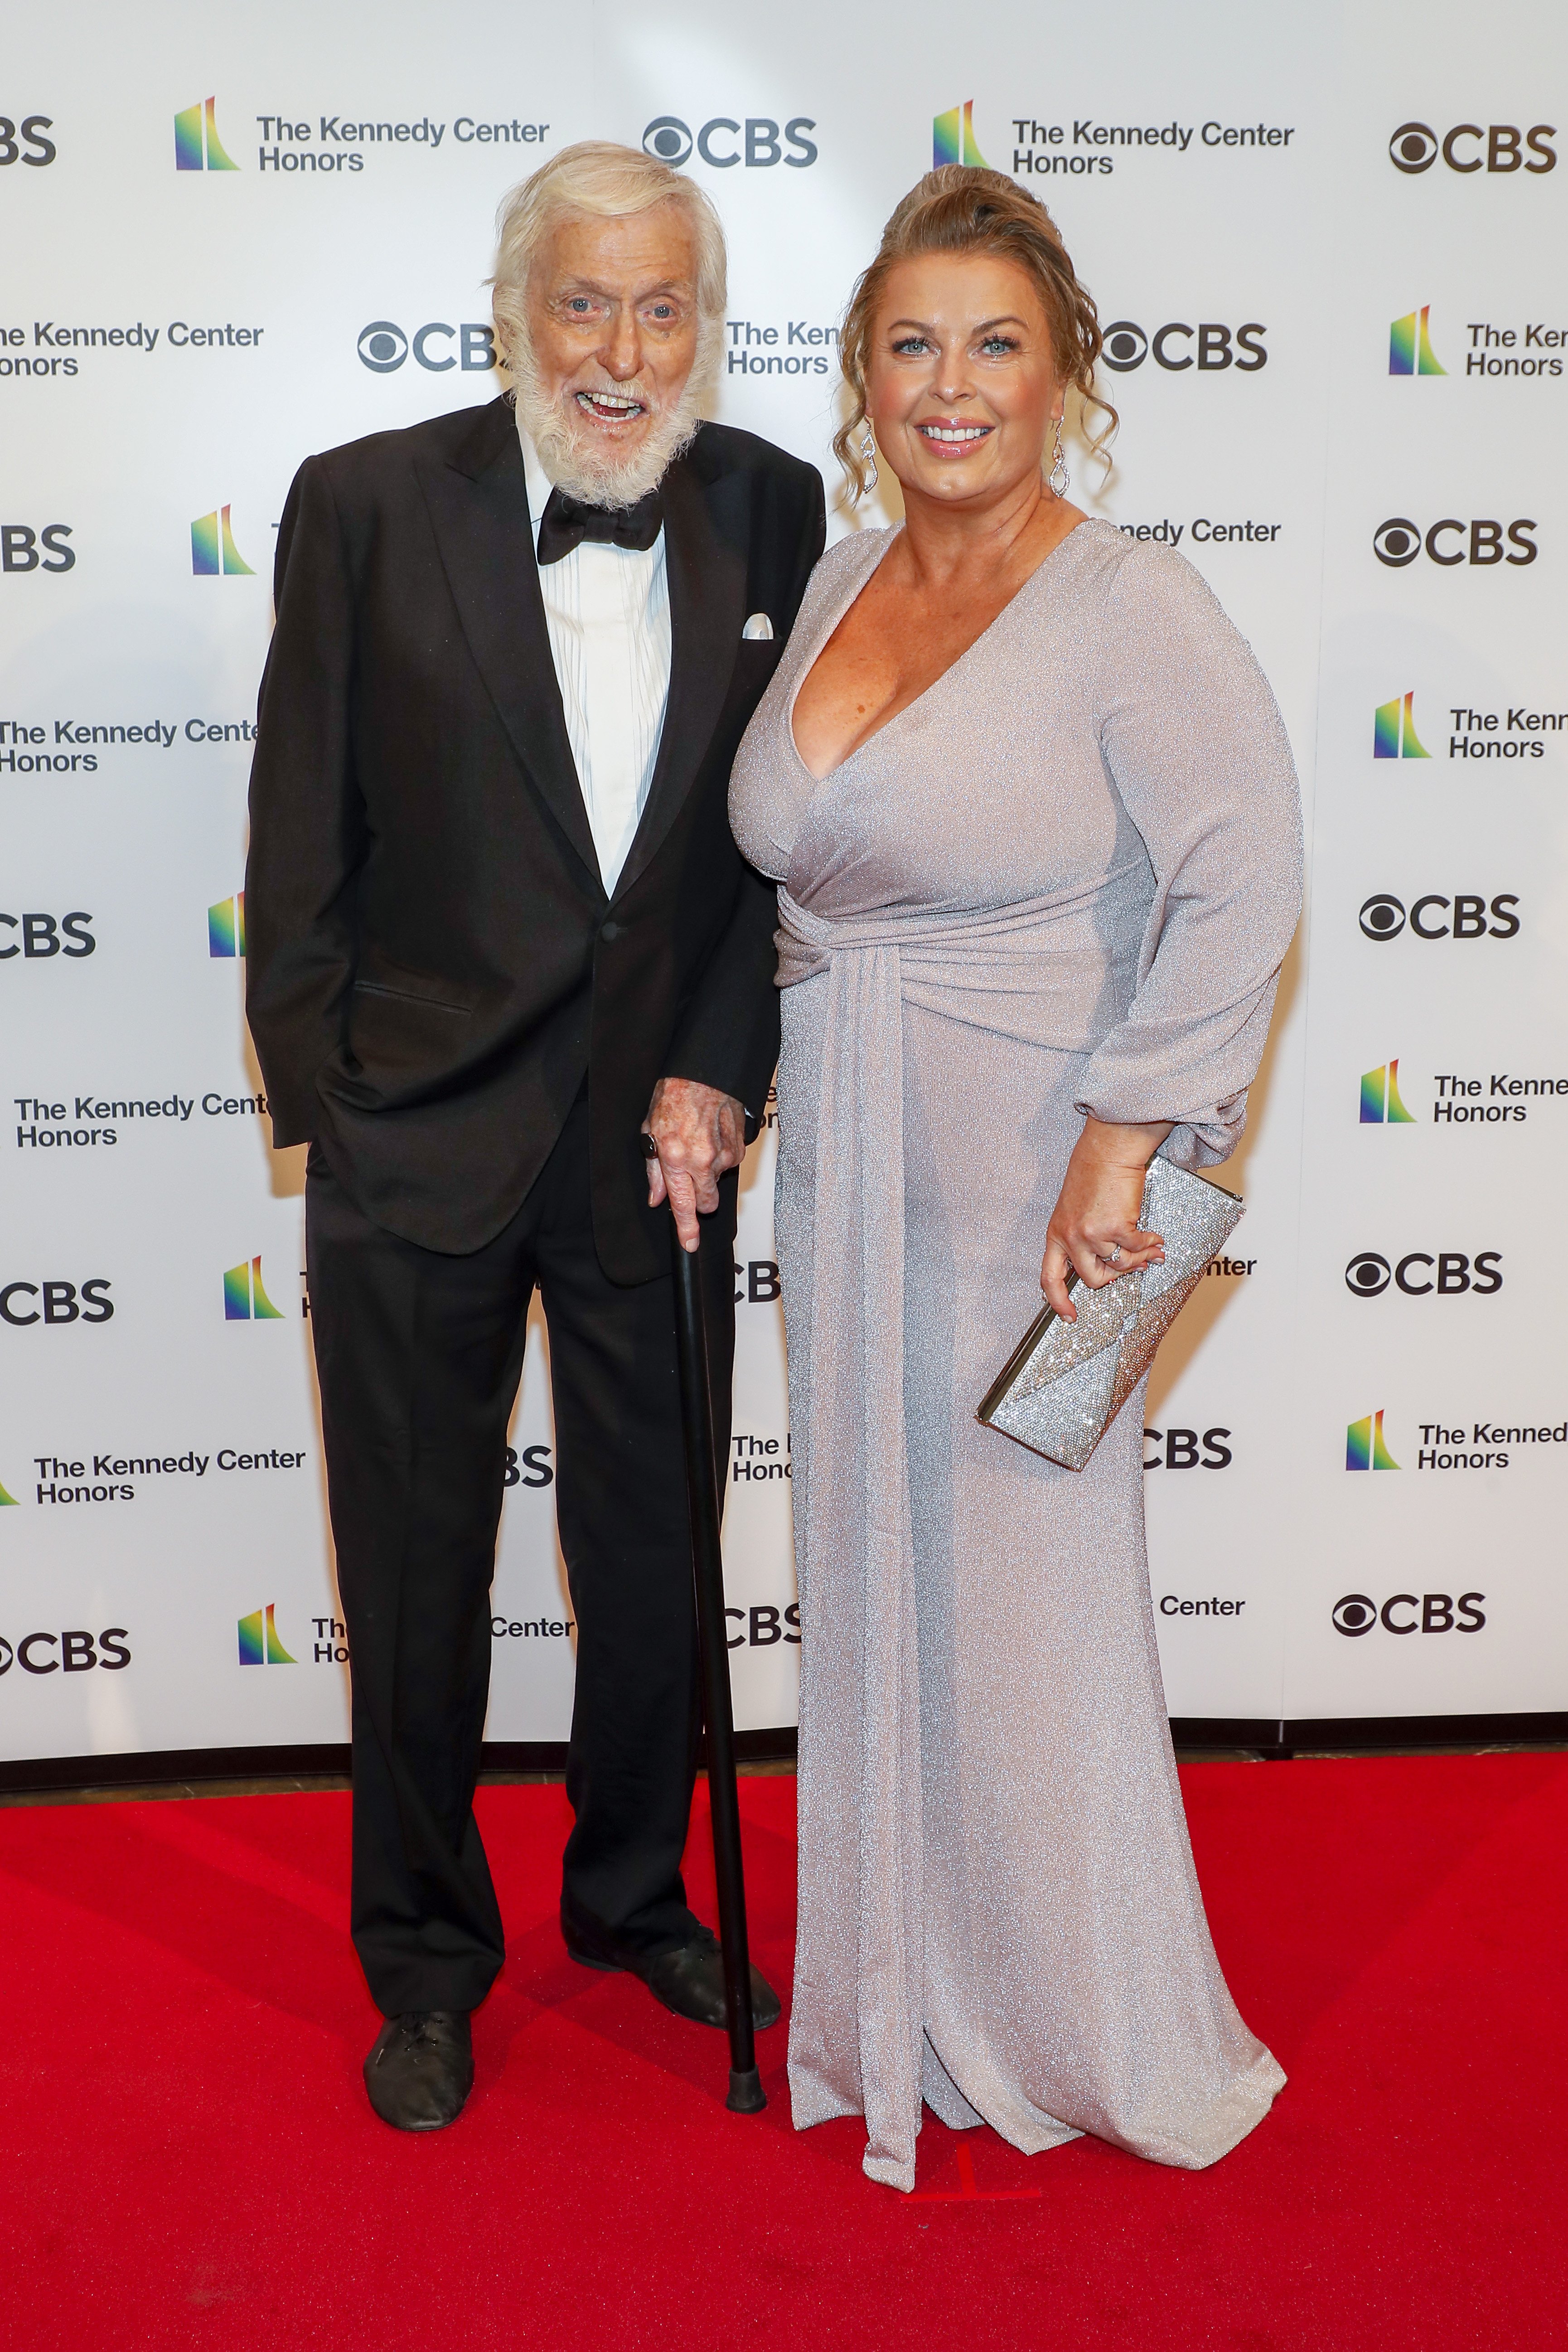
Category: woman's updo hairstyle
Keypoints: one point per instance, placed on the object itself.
(960, 209)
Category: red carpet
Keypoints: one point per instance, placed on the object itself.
(189, 2159)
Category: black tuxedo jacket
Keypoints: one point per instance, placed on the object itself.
(433, 961)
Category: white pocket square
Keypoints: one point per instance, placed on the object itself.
(759, 625)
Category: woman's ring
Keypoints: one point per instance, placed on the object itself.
(1114, 1255)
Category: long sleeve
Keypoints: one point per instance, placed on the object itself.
(1195, 747)
(729, 1038)
(307, 838)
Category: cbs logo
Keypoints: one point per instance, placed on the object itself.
(1125, 346)
(1180, 1449)
(1357, 1614)
(1383, 916)
(62, 1302)
(19, 545)
(762, 1628)
(1415, 147)
(535, 1461)
(1368, 1274)
(43, 937)
(33, 128)
(1398, 542)
(668, 138)
(757, 1282)
(384, 347)
(77, 1653)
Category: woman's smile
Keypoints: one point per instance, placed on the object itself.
(953, 436)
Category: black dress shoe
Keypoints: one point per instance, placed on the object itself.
(689, 1980)
(421, 2069)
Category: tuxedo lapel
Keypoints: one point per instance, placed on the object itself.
(479, 507)
(707, 605)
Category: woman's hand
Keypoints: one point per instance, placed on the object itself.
(1093, 1229)
(700, 1133)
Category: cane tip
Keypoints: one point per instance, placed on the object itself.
(747, 2097)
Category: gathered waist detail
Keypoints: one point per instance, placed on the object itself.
(1043, 971)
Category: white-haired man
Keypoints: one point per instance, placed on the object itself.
(510, 977)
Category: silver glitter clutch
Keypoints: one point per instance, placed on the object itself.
(1065, 1383)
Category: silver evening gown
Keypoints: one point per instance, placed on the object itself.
(1061, 880)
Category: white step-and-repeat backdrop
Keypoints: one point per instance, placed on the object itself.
(1328, 254)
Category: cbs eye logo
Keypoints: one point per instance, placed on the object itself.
(1126, 346)
(1415, 147)
(1368, 1274)
(384, 347)
(1398, 542)
(669, 139)
(1383, 916)
(1430, 1612)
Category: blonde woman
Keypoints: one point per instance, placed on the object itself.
(1033, 816)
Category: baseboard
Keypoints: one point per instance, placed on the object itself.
(150, 1768)
(1353, 1734)
(1361, 1735)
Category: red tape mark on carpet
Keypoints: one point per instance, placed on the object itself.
(966, 2192)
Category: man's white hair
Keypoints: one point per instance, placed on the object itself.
(608, 183)
(611, 182)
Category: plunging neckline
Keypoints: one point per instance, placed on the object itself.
(821, 647)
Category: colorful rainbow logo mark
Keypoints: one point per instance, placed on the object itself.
(226, 926)
(1380, 1103)
(5, 1499)
(952, 137)
(1410, 349)
(245, 1300)
(1394, 735)
(212, 548)
(1364, 1447)
(197, 147)
(259, 1642)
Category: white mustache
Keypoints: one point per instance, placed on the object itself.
(570, 451)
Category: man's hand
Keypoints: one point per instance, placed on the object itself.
(700, 1133)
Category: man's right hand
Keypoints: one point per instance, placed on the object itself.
(701, 1134)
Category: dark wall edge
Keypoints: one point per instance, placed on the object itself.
(148, 1768)
(1369, 1734)
(1355, 1733)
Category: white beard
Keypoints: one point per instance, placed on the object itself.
(565, 440)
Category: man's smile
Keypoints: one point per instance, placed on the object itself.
(610, 407)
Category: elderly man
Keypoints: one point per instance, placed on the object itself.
(510, 977)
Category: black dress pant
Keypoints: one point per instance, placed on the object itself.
(418, 1356)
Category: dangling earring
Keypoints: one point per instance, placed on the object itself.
(1058, 477)
(868, 458)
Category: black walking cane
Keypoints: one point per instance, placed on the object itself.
(746, 2093)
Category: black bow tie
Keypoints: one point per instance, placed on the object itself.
(566, 523)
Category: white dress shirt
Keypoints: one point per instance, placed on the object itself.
(608, 613)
